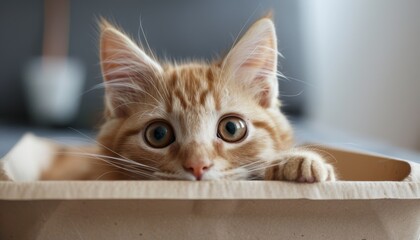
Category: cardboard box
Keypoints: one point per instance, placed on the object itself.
(379, 198)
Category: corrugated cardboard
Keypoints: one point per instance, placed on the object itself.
(378, 199)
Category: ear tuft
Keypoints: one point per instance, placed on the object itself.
(104, 24)
(269, 15)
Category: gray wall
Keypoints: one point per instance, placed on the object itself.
(364, 61)
(20, 39)
(178, 29)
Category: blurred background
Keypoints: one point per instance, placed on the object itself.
(352, 66)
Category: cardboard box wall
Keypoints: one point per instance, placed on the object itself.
(379, 199)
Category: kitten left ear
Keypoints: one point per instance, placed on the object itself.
(253, 62)
(127, 70)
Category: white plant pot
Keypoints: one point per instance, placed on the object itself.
(53, 87)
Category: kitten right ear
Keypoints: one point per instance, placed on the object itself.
(252, 62)
(127, 70)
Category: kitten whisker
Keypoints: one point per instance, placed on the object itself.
(109, 160)
(98, 143)
(292, 95)
(252, 163)
(157, 74)
(274, 50)
(136, 164)
(313, 147)
(297, 80)
(169, 175)
(123, 167)
(145, 39)
(109, 172)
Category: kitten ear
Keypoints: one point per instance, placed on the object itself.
(127, 70)
(252, 62)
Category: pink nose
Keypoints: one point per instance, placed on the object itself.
(197, 168)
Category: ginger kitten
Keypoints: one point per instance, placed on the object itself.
(196, 120)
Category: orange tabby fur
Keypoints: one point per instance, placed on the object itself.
(193, 97)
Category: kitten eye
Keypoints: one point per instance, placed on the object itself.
(232, 129)
(159, 134)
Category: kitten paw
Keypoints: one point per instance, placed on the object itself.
(302, 167)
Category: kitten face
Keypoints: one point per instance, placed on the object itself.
(194, 121)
